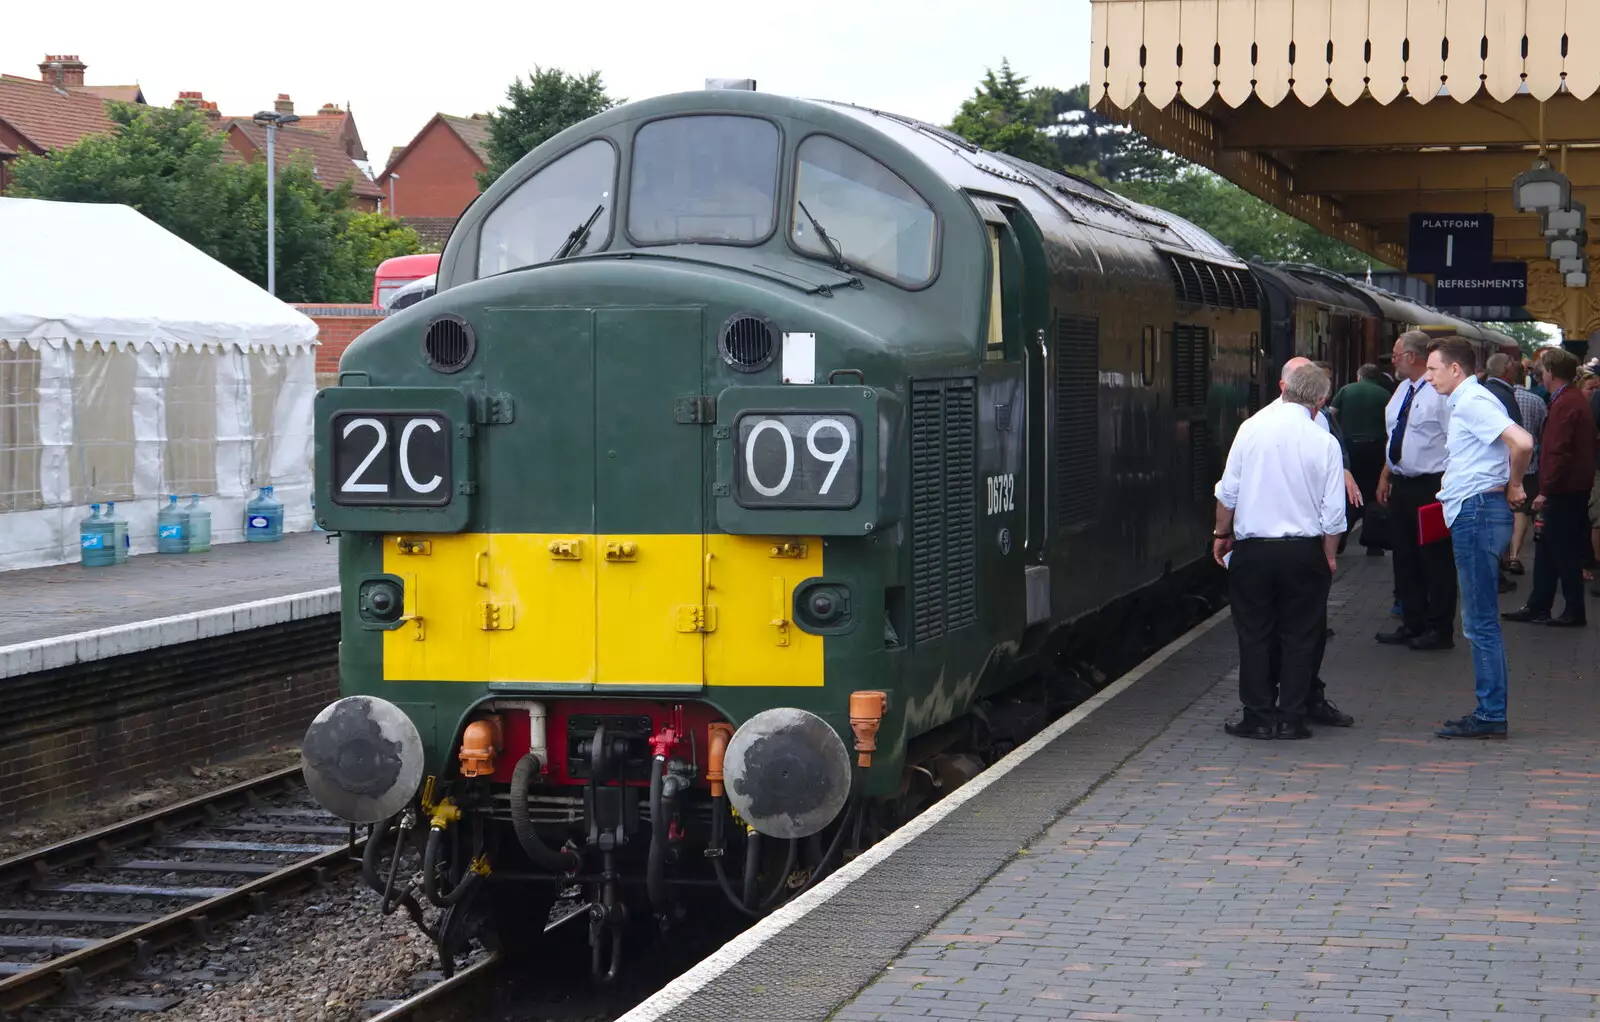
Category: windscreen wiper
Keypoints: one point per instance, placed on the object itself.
(833, 246)
(575, 241)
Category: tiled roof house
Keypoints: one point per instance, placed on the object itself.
(432, 179)
(55, 110)
(328, 139)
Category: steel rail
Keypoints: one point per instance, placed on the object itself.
(445, 998)
(66, 974)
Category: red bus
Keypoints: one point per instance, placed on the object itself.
(393, 274)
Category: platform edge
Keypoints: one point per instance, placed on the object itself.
(669, 997)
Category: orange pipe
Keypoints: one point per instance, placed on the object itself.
(866, 713)
(721, 735)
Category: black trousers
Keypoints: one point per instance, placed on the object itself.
(1424, 576)
(1366, 464)
(1318, 691)
(1560, 553)
(1279, 593)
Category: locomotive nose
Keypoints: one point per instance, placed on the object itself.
(362, 759)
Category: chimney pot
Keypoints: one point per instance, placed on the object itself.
(62, 70)
(284, 104)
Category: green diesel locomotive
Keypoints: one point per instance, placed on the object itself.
(748, 447)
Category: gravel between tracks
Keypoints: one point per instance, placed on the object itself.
(58, 824)
(317, 957)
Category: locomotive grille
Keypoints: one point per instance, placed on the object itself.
(449, 344)
(747, 343)
(961, 489)
(1191, 365)
(1077, 440)
(1221, 287)
(944, 507)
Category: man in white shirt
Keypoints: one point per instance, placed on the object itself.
(1418, 420)
(1280, 512)
(1319, 708)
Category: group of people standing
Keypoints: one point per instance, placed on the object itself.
(1452, 453)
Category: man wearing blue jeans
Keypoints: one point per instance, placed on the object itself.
(1486, 456)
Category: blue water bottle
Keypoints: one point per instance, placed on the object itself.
(120, 542)
(197, 520)
(170, 538)
(96, 533)
(263, 518)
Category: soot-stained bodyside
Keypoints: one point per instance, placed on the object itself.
(730, 403)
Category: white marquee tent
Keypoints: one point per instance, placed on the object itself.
(132, 366)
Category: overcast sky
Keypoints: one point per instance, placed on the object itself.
(397, 63)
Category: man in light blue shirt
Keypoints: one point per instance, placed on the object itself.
(1486, 457)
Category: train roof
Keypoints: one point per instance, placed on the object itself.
(972, 168)
(1295, 281)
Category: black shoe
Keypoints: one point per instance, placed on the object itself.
(1432, 640)
(1247, 727)
(1528, 614)
(1289, 730)
(1399, 637)
(1324, 712)
(1566, 621)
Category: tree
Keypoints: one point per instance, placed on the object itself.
(1097, 146)
(169, 165)
(1530, 336)
(1250, 227)
(1004, 118)
(550, 103)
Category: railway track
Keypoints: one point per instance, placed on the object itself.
(111, 898)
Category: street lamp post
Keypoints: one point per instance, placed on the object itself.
(394, 210)
(273, 121)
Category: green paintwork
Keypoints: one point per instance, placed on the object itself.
(596, 351)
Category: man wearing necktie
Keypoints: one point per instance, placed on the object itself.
(1418, 419)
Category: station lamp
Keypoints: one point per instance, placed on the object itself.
(1565, 223)
(272, 121)
(1568, 248)
(1542, 188)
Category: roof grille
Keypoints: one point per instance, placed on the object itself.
(747, 343)
(1202, 283)
(449, 344)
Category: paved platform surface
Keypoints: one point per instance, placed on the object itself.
(43, 603)
(1370, 873)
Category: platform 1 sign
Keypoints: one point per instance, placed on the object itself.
(1499, 284)
(1450, 242)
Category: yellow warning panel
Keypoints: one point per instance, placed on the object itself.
(651, 613)
(750, 582)
(442, 641)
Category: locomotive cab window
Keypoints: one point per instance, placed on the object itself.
(704, 178)
(878, 222)
(570, 196)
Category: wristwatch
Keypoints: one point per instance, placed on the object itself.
(1221, 535)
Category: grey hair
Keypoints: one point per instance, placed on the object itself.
(1497, 364)
(1369, 371)
(1308, 386)
(1415, 342)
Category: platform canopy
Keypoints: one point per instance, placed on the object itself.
(1353, 114)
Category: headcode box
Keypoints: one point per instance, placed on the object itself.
(1499, 284)
(1450, 242)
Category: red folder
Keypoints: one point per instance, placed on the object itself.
(1430, 523)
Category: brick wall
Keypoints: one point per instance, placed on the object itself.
(96, 726)
(437, 176)
(337, 326)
